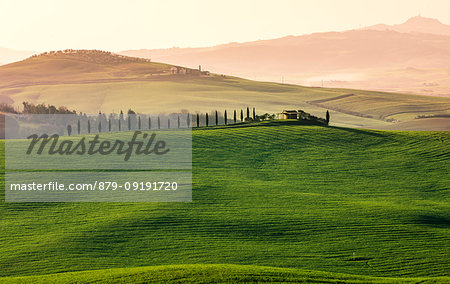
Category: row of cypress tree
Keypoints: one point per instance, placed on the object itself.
(225, 117)
(107, 125)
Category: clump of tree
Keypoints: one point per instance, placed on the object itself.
(302, 115)
(266, 116)
(93, 55)
(263, 117)
(4, 107)
(30, 108)
(444, 115)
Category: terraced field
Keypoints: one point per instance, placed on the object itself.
(279, 194)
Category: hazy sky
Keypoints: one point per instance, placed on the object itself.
(132, 24)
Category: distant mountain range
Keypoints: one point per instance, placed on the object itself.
(411, 57)
(319, 52)
(416, 25)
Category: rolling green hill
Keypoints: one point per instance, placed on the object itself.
(93, 81)
(280, 194)
(210, 273)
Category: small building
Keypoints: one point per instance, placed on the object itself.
(290, 114)
(174, 70)
(178, 70)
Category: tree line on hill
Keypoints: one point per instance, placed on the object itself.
(442, 115)
(134, 121)
(30, 108)
(99, 56)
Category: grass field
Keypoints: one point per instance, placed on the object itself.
(279, 194)
(210, 273)
(100, 82)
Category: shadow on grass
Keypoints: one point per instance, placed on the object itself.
(268, 123)
(433, 221)
(285, 122)
(360, 131)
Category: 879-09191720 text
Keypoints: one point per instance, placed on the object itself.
(97, 185)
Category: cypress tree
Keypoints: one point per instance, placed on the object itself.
(207, 120)
(178, 121)
(188, 120)
(254, 114)
(198, 120)
(89, 126)
(159, 123)
(99, 126)
(242, 115)
(248, 113)
(168, 123)
(327, 117)
(78, 127)
(109, 124)
(225, 117)
(139, 123)
(234, 116)
(217, 118)
(129, 123)
(149, 123)
(69, 129)
(120, 119)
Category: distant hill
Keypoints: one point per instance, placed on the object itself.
(320, 52)
(400, 59)
(91, 81)
(77, 66)
(416, 24)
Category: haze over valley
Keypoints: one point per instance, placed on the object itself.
(413, 57)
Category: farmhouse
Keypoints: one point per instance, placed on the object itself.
(174, 70)
(178, 70)
(181, 70)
